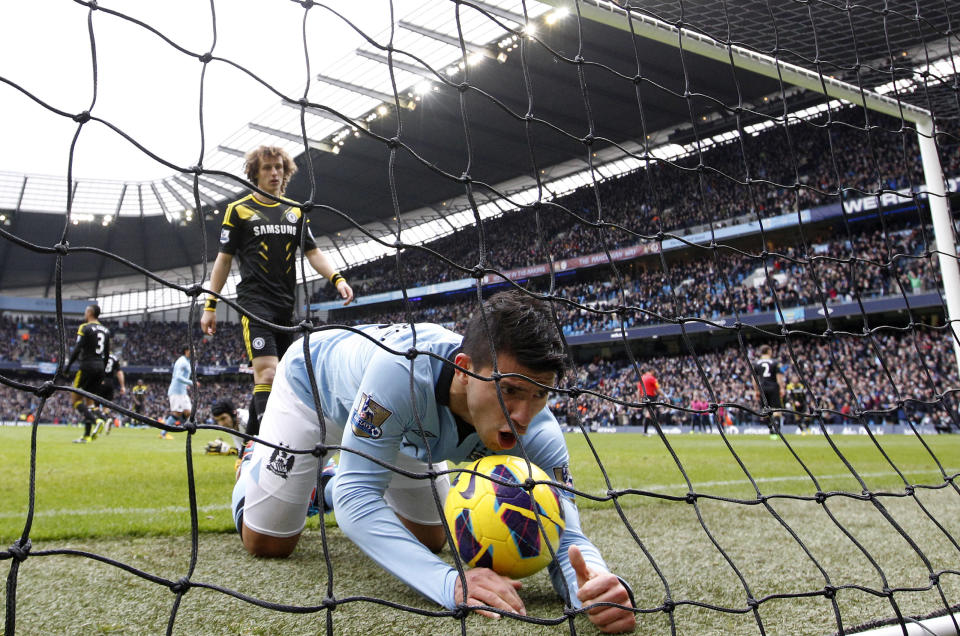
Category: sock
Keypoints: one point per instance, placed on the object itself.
(261, 392)
(87, 428)
(171, 420)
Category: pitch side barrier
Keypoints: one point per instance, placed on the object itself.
(856, 209)
(763, 429)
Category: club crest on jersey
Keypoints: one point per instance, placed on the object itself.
(224, 236)
(258, 343)
(368, 418)
(281, 463)
(291, 217)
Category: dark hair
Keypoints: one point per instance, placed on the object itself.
(95, 310)
(185, 349)
(521, 326)
(221, 407)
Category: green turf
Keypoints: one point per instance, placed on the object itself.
(125, 498)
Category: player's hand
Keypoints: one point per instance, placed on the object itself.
(602, 587)
(346, 292)
(486, 587)
(208, 322)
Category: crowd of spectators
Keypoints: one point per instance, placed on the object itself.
(843, 375)
(21, 406)
(709, 188)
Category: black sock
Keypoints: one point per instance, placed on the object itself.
(261, 393)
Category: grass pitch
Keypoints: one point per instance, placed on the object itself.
(125, 498)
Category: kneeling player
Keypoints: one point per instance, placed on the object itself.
(449, 415)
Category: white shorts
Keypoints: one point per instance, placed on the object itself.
(180, 403)
(278, 484)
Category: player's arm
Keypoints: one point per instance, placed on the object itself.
(76, 350)
(322, 265)
(365, 517)
(121, 381)
(579, 567)
(218, 278)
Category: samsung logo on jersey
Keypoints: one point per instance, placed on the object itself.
(259, 230)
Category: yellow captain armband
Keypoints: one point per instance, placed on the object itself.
(211, 304)
(335, 278)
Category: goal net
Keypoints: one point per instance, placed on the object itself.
(742, 217)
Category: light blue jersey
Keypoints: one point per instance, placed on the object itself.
(368, 388)
(181, 377)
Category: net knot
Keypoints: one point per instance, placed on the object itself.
(82, 118)
(411, 353)
(934, 578)
(910, 490)
(306, 206)
(190, 426)
(579, 59)
(93, 5)
(669, 606)
(206, 57)
(753, 603)
(19, 551)
(690, 498)
(393, 143)
(466, 178)
(529, 484)
(829, 592)
(46, 389)
(328, 602)
(319, 450)
(461, 612)
(181, 586)
(476, 271)
(820, 497)
(62, 248)
(589, 139)
(306, 4)
(193, 290)
(637, 79)
(305, 325)
(462, 87)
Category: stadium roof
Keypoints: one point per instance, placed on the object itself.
(149, 223)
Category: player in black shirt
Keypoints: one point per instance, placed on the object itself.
(771, 383)
(92, 349)
(112, 378)
(264, 235)
(139, 392)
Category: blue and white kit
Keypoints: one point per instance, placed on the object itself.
(367, 397)
(179, 383)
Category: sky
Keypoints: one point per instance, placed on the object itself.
(147, 88)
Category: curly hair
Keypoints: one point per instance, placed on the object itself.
(251, 165)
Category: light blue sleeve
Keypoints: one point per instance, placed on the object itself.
(183, 371)
(361, 511)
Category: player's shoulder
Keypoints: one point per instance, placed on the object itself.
(239, 210)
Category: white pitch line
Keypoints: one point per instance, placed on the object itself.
(215, 507)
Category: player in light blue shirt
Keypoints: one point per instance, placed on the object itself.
(392, 393)
(180, 383)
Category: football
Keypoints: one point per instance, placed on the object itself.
(495, 525)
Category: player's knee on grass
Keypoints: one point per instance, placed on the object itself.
(266, 546)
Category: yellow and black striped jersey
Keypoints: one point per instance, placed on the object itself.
(264, 237)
